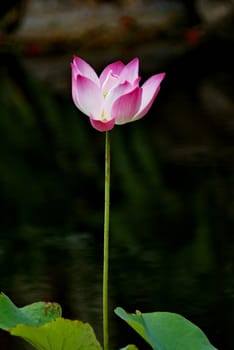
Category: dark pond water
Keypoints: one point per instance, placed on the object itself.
(172, 187)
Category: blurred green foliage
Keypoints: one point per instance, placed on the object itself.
(45, 151)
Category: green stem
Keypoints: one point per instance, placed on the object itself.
(106, 243)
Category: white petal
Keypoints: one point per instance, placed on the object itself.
(130, 71)
(150, 91)
(88, 96)
(111, 81)
(115, 67)
(83, 68)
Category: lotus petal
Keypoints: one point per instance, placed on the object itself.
(126, 106)
(150, 90)
(130, 71)
(115, 68)
(83, 68)
(88, 96)
(101, 125)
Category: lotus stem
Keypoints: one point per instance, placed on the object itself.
(106, 243)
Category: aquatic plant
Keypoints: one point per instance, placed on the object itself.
(112, 99)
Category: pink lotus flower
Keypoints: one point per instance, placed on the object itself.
(114, 97)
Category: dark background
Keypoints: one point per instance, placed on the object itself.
(172, 180)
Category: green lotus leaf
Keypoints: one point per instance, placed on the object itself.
(166, 331)
(60, 334)
(35, 314)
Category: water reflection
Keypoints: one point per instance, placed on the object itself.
(65, 268)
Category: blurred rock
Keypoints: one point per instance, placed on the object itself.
(212, 11)
(217, 17)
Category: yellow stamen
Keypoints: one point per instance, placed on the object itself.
(103, 118)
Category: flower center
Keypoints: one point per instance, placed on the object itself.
(103, 118)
